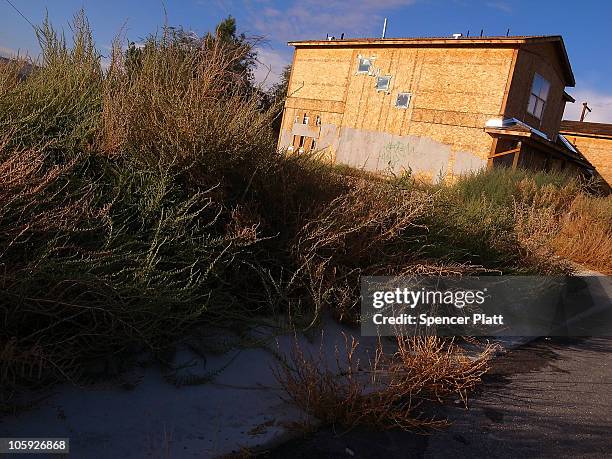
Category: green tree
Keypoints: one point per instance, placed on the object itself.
(239, 49)
(276, 97)
(226, 35)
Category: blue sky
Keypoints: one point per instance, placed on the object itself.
(585, 27)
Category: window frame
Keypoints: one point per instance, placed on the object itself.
(364, 72)
(387, 89)
(409, 98)
(538, 96)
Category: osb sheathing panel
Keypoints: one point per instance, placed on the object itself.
(598, 151)
(542, 59)
(466, 81)
(450, 88)
(315, 104)
(320, 73)
(454, 91)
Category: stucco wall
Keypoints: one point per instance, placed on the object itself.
(422, 156)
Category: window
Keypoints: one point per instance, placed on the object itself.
(313, 146)
(383, 83)
(403, 100)
(539, 94)
(318, 121)
(305, 119)
(364, 65)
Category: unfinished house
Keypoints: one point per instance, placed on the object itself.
(436, 107)
(594, 141)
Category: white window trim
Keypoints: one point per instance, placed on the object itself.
(387, 90)
(537, 97)
(364, 72)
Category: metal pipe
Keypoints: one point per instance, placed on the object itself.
(384, 28)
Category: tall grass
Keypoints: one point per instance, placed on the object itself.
(58, 106)
(478, 218)
(585, 234)
(138, 203)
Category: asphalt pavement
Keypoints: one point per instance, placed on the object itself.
(548, 398)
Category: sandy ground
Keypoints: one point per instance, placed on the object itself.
(144, 414)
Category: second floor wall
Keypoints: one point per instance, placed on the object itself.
(450, 92)
(537, 62)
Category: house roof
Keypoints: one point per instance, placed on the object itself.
(517, 129)
(586, 129)
(511, 41)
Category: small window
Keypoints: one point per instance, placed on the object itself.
(313, 146)
(305, 119)
(403, 100)
(383, 83)
(364, 65)
(539, 94)
(318, 121)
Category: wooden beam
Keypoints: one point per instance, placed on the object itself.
(503, 153)
(517, 155)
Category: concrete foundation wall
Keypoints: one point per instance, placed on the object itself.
(386, 152)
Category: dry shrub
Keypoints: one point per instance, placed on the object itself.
(585, 234)
(106, 245)
(36, 191)
(555, 224)
(93, 266)
(185, 108)
(392, 390)
(373, 229)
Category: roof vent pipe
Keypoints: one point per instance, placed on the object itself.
(384, 28)
(457, 35)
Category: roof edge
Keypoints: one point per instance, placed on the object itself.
(511, 40)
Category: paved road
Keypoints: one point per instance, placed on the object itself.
(550, 398)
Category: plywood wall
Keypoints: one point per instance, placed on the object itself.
(537, 58)
(453, 93)
(598, 151)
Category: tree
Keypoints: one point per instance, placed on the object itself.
(279, 90)
(238, 48)
(236, 45)
(277, 96)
